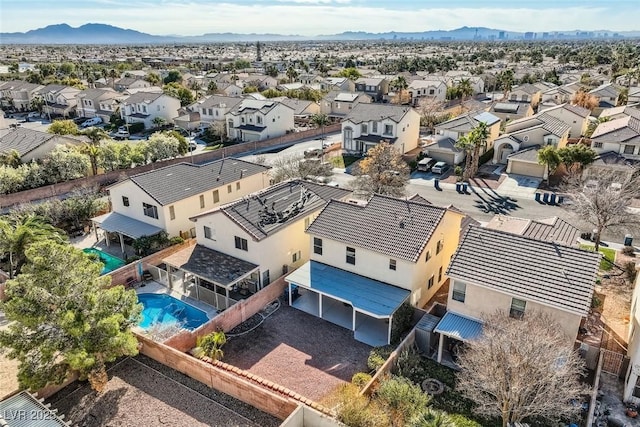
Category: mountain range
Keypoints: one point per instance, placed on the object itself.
(108, 34)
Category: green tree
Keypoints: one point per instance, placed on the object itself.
(320, 120)
(351, 73)
(63, 127)
(549, 157)
(383, 171)
(575, 157)
(66, 318)
(65, 164)
(211, 345)
(212, 88)
(403, 399)
(479, 136)
(400, 85)
(153, 78)
(466, 144)
(161, 146)
(173, 76)
(158, 121)
(19, 232)
(292, 74)
(11, 159)
(465, 88)
(178, 91)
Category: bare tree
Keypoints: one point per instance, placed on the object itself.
(431, 112)
(383, 171)
(603, 201)
(521, 368)
(297, 167)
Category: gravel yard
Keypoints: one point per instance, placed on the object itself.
(8, 368)
(301, 352)
(144, 393)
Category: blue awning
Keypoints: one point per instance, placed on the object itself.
(366, 295)
(114, 222)
(459, 327)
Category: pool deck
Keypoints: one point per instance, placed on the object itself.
(152, 287)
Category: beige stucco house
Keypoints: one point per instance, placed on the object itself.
(255, 120)
(59, 100)
(434, 89)
(620, 136)
(98, 103)
(18, 94)
(144, 107)
(575, 116)
(337, 104)
(32, 144)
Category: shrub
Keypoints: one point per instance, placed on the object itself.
(486, 157)
(409, 365)
(355, 410)
(462, 421)
(629, 251)
(401, 321)
(136, 127)
(458, 170)
(413, 165)
(176, 240)
(360, 379)
(404, 399)
(133, 258)
(630, 271)
(595, 301)
(378, 356)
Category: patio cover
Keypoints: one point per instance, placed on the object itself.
(213, 266)
(371, 297)
(114, 222)
(459, 327)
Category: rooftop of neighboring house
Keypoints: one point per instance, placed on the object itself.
(548, 273)
(442, 143)
(527, 88)
(268, 211)
(607, 89)
(217, 101)
(53, 88)
(419, 84)
(363, 112)
(370, 81)
(529, 154)
(615, 161)
(552, 229)
(627, 110)
(254, 105)
(335, 95)
(299, 105)
(19, 85)
(468, 121)
(542, 120)
(575, 109)
(25, 140)
(336, 80)
(98, 93)
(126, 81)
(398, 228)
(180, 181)
(140, 97)
(516, 108)
(625, 129)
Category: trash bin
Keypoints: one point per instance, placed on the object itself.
(628, 240)
(436, 183)
(458, 187)
(545, 198)
(465, 187)
(537, 196)
(560, 199)
(552, 199)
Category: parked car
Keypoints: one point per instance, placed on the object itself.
(313, 152)
(122, 133)
(426, 164)
(91, 122)
(192, 144)
(440, 168)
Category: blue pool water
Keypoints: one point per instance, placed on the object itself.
(162, 308)
(110, 262)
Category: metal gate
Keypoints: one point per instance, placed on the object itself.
(611, 361)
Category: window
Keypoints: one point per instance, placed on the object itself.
(392, 264)
(241, 243)
(229, 189)
(363, 128)
(428, 256)
(351, 256)
(150, 210)
(238, 186)
(348, 138)
(201, 201)
(296, 257)
(172, 212)
(432, 91)
(208, 233)
(628, 149)
(597, 145)
(388, 129)
(317, 245)
(517, 308)
(440, 275)
(259, 120)
(125, 200)
(430, 282)
(459, 291)
(216, 196)
(439, 246)
(374, 127)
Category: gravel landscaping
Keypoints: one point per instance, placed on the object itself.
(301, 352)
(8, 368)
(144, 393)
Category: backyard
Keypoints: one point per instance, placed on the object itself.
(8, 368)
(301, 352)
(342, 161)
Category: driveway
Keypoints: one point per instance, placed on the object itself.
(519, 186)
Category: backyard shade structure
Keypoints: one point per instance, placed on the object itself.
(372, 303)
(458, 327)
(23, 409)
(114, 222)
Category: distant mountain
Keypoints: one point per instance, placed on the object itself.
(108, 34)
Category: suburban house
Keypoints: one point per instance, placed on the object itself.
(454, 78)
(144, 107)
(229, 89)
(575, 116)
(427, 89)
(90, 103)
(632, 378)
(465, 123)
(443, 149)
(620, 136)
(517, 275)
(620, 112)
(32, 144)
(526, 93)
(367, 259)
(367, 125)
(634, 96)
(518, 148)
(557, 95)
(164, 199)
(214, 108)
(255, 120)
(264, 231)
(18, 94)
(302, 109)
(607, 95)
(552, 229)
(59, 100)
(375, 87)
(511, 110)
(127, 83)
(340, 84)
(337, 105)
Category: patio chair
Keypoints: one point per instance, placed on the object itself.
(130, 282)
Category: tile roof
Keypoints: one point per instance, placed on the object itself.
(529, 154)
(623, 130)
(366, 112)
(268, 211)
(527, 88)
(443, 143)
(139, 97)
(395, 227)
(298, 105)
(217, 101)
(468, 121)
(510, 107)
(177, 182)
(25, 140)
(545, 272)
(616, 161)
(546, 121)
(552, 229)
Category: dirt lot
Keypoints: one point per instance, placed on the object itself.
(8, 368)
(301, 352)
(139, 394)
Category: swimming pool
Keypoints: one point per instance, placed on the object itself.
(110, 262)
(163, 308)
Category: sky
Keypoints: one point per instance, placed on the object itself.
(317, 17)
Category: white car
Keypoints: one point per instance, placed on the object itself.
(91, 122)
(122, 133)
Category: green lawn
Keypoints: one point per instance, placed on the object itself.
(212, 147)
(342, 161)
(608, 256)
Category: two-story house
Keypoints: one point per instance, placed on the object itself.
(375, 87)
(511, 110)
(339, 84)
(302, 109)
(164, 199)
(367, 125)
(337, 105)
(214, 108)
(368, 259)
(133, 82)
(144, 107)
(620, 136)
(32, 145)
(607, 95)
(427, 89)
(526, 93)
(265, 231)
(90, 103)
(575, 116)
(59, 100)
(255, 120)
(18, 94)
(517, 275)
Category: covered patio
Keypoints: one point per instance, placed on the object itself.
(355, 302)
(122, 225)
(210, 276)
(455, 329)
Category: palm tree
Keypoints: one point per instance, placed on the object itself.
(465, 143)
(320, 120)
(93, 149)
(211, 346)
(400, 84)
(465, 88)
(292, 74)
(19, 232)
(479, 136)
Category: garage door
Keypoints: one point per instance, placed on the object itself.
(441, 157)
(527, 169)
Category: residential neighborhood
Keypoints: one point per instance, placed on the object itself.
(390, 231)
